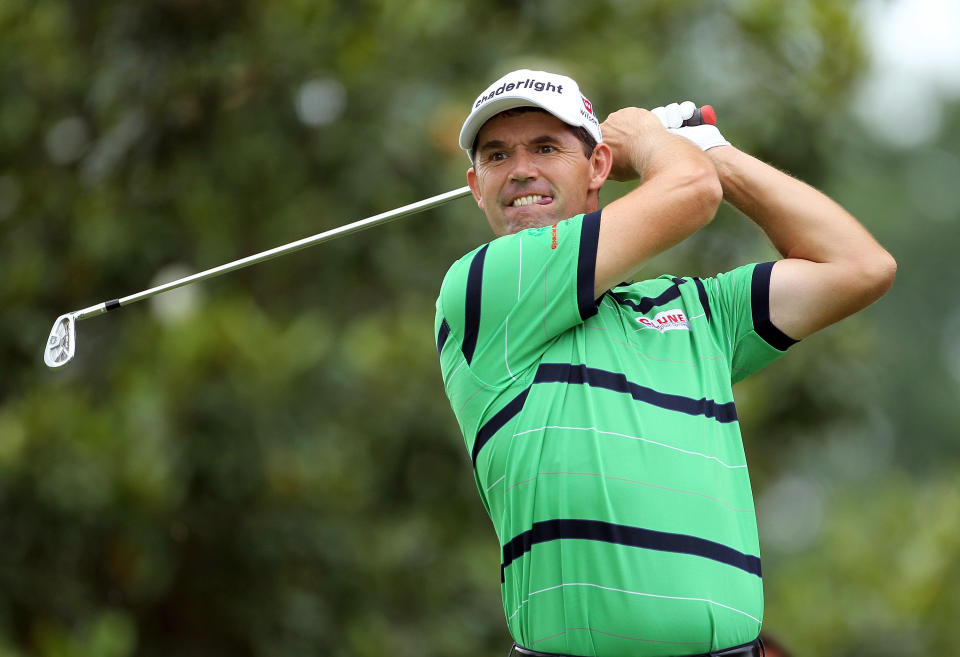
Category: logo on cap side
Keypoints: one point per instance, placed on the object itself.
(587, 104)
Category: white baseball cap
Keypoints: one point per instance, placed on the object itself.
(557, 94)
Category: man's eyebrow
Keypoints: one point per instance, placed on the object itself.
(496, 143)
(493, 143)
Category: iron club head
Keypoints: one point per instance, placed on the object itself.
(61, 345)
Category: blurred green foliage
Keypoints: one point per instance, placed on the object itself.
(269, 466)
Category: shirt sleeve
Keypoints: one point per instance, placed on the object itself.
(740, 302)
(502, 304)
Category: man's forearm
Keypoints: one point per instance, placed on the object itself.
(680, 194)
(832, 266)
(800, 221)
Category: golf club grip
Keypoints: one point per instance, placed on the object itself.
(702, 115)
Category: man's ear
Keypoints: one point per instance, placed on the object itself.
(601, 161)
(474, 186)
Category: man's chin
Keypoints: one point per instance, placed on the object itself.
(524, 220)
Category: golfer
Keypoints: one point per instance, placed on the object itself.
(598, 413)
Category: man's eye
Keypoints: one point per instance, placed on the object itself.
(497, 156)
(546, 148)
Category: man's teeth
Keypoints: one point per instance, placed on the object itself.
(526, 200)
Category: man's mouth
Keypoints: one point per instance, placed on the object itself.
(531, 200)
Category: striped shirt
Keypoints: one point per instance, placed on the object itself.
(605, 442)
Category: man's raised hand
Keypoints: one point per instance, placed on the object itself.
(672, 116)
(630, 133)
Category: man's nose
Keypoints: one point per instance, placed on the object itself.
(523, 166)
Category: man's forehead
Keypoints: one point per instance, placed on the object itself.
(535, 124)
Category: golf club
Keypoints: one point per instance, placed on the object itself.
(62, 343)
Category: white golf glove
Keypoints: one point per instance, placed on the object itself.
(672, 116)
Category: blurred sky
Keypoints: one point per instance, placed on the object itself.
(916, 65)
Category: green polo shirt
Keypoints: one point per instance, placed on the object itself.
(605, 442)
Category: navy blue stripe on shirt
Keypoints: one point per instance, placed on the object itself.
(760, 307)
(587, 265)
(597, 378)
(472, 306)
(442, 335)
(596, 530)
(704, 301)
(497, 422)
(647, 303)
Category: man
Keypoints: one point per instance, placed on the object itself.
(598, 414)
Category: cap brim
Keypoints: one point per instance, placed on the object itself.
(471, 128)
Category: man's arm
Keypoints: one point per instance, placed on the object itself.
(679, 195)
(832, 267)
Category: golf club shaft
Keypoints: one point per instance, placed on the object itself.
(702, 115)
(354, 227)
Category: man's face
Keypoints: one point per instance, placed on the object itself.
(530, 171)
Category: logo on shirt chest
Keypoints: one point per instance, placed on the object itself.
(668, 320)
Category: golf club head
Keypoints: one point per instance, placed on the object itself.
(62, 342)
